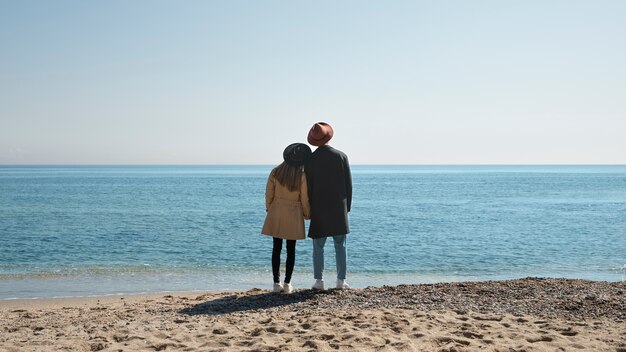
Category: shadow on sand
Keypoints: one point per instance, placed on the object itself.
(251, 301)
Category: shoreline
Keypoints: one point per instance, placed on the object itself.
(115, 287)
(524, 314)
(183, 292)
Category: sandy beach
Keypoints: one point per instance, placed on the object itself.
(518, 315)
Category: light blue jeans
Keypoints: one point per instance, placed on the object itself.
(341, 254)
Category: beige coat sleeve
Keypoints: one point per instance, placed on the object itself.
(304, 198)
(269, 192)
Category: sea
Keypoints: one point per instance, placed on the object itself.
(74, 231)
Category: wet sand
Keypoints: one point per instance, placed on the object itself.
(517, 315)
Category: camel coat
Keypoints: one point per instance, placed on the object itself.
(286, 210)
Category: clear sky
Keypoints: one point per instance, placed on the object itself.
(234, 82)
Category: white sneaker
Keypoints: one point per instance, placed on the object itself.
(342, 284)
(278, 287)
(318, 285)
(287, 288)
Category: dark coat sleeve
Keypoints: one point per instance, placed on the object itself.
(308, 171)
(348, 176)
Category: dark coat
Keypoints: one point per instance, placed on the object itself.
(330, 192)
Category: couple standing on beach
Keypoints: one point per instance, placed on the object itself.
(316, 186)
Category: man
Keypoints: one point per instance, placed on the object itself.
(330, 193)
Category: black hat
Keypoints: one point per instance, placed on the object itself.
(297, 154)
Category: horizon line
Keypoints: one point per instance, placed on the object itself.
(352, 164)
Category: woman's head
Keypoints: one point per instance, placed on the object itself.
(297, 154)
(289, 172)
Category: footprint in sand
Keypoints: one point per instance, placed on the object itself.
(338, 346)
(397, 329)
(120, 338)
(265, 321)
(401, 345)
(446, 340)
(543, 338)
(568, 332)
(97, 346)
(164, 346)
(256, 332)
(220, 331)
(326, 337)
(469, 334)
(275, 330)
(245, 343)
(363, 339)
(488, 317)
(311, 344)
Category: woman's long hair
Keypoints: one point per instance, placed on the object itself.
(288, 175)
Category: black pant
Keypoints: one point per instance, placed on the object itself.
(291, 259)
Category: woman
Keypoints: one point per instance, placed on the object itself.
(287, 205)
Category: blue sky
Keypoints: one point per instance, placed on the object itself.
(234, 82)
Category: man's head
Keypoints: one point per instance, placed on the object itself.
(320, 134)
